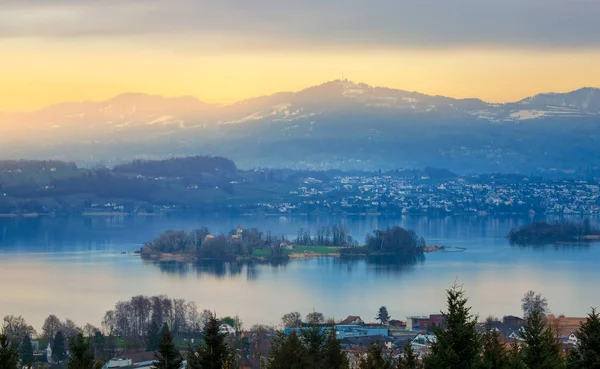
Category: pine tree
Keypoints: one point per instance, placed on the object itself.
(9, 353)
(288, 352)
(515, 357)
(153, 336)
(542, 349)
(26, 351)
(81, 354)
(383, 316)
(167, 355)
(587, 353)
(495, 355)
(335, 357)
(313, 338)
(375, 359)
(410, 359)
(58, 347)
(458, 344)
(214, 353)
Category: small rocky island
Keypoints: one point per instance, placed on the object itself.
(240, 244)
(543, 233)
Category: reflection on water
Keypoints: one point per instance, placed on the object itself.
(250, 269)
(74, 267)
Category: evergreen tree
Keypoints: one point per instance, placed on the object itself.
(9, 353)
(153, 336)
(81, 354)
(410, 359)
(335, 358)
(458, 344)
(374, 359)
(99, 341)
(58, 347)
(495, 355)
(288, 352)
(587, 353)
(542, 349)
(26, 351)
(383, 316)
(167, 355)
(214, 353)
(515, 357)
(313, 338)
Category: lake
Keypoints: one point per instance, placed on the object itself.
(75, 268)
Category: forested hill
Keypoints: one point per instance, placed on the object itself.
(180, 167)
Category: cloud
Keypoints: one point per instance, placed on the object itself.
(539, 24)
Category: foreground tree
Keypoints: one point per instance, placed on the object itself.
(335, 357)
(313, 338)
(9, 352)
(495, 355)
(457, 345)
(515, 357)
(542, 349)
(587, 353)
(81, 354)
(26, 351)
(534, 302)
(214, 353)
(375, 359)
(383, 316)
(58, 347)
(154, 337)
(167, 355)
(410, 360)
(288, 352)
(16, 328)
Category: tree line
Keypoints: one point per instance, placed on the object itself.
(457, 342)
(542, 233)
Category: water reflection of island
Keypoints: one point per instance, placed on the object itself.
(379, 264)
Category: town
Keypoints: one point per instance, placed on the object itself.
(149, 332)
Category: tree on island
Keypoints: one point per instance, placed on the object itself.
(81, 354)
(213, 353)
(587, 352)
(26, 351)
(167, 355)
(9, 352)
(534, 302)
(383, 316)
(457, 344)
(542, 349)
(58, 347)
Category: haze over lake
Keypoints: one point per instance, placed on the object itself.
(75, 268)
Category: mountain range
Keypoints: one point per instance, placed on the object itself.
(339, 124)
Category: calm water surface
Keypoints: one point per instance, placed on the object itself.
(74, 267)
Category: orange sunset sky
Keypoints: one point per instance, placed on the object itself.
(62, 50)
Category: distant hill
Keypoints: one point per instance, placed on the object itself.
(336, 125)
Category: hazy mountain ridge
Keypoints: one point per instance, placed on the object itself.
(338, 124)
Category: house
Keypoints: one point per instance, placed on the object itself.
(426, 323)
(512, 320)
(397, 323)
(226, 329)
(573, 338)
(421, 344)
(352, 319)
(565, 325)
(137, 359)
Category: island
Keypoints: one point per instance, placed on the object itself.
(563, 232)
(252, 244)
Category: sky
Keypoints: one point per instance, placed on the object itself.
(222, 51)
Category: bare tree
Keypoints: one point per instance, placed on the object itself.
(315, 318)
(292, 320)
(15, 327)
(51, 326)
(534, 302)
(89, 330)
(109, 323)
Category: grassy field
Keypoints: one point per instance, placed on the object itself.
(299, 250)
